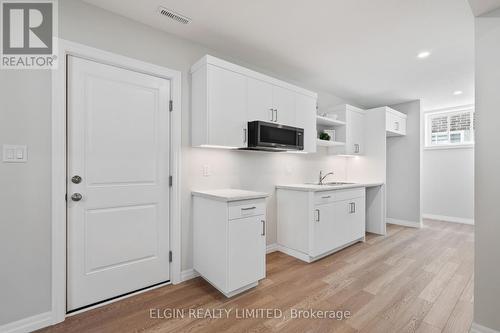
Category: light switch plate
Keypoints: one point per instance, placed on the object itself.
(15, 153)
(206, 170)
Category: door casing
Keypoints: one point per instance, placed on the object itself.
(59, 159)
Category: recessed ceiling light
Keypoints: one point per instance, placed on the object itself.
(458, 92)
(423, 54)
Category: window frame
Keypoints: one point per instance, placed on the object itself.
(428, 116)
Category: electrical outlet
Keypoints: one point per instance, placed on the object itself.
(206, 170)
(15, 153)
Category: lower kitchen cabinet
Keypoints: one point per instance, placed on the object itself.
(229, 236)
(313, 224)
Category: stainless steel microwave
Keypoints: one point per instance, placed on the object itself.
(274, 137)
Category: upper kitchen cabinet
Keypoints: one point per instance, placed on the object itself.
(353, 133)
(268, 102)
(284, 106)
(395, 122)
(219, 107)
(260, 100)
(225, 97)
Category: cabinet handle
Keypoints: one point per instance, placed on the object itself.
(318, 217)
(352, 207)
(245, 135)
(356, 148)
(248, 208)
(326, 197)
(276, 120)
(396, 125)
(263, 228)
(272, 113)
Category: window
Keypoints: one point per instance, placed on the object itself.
(449, 128)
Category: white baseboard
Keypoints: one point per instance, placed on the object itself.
(28, 324)
(271, 248)
(405, 223)
(188, 274)
(448, 218)
(476, 328)
(294, 253)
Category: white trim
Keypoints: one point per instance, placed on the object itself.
(451, 146)
(445, 218)
(118, 299)
(405, 223)
(453, 108)
(272, 248)
(59, 162)
(476, 328)
(189, 274)
(294, 253)
(28, 324)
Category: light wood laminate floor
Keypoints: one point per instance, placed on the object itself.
(412, 280)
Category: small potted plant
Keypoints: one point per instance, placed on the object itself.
(324, 136)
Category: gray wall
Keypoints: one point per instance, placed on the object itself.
(404, 167)
(25, 119)
(487, 166)
(448, 183)
(25, 203)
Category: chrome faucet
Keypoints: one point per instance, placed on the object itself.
(321, 177)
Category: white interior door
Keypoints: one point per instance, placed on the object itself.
(118, 143)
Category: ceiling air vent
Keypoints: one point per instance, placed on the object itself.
(173, 15)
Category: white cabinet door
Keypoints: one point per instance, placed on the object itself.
(227, 97)
(402, 128)
(284, 103)
(260, 101)
(324, 231)
(350, 218)
(305, 110)
(395, 125)
(355, 137)
(246, 251)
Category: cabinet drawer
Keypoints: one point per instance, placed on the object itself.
(350, 194)
(240, 209)
(324, 197)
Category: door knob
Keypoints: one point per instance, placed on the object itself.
(76, 179)
(76, 197)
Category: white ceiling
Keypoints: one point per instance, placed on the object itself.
(361, 50)
(480, 7)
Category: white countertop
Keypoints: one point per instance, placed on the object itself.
(230, 194)
(318, 188)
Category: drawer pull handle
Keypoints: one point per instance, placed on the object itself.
(352, 207)
(326, 196)
(249, 208)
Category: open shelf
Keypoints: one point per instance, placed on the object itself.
(325, 143)
(324, 121)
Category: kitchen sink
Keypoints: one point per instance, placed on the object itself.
(331, 183)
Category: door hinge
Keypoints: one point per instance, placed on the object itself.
(171, 105)
(170, 181)
(169, 256)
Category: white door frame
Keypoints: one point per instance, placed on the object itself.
(59, 159)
